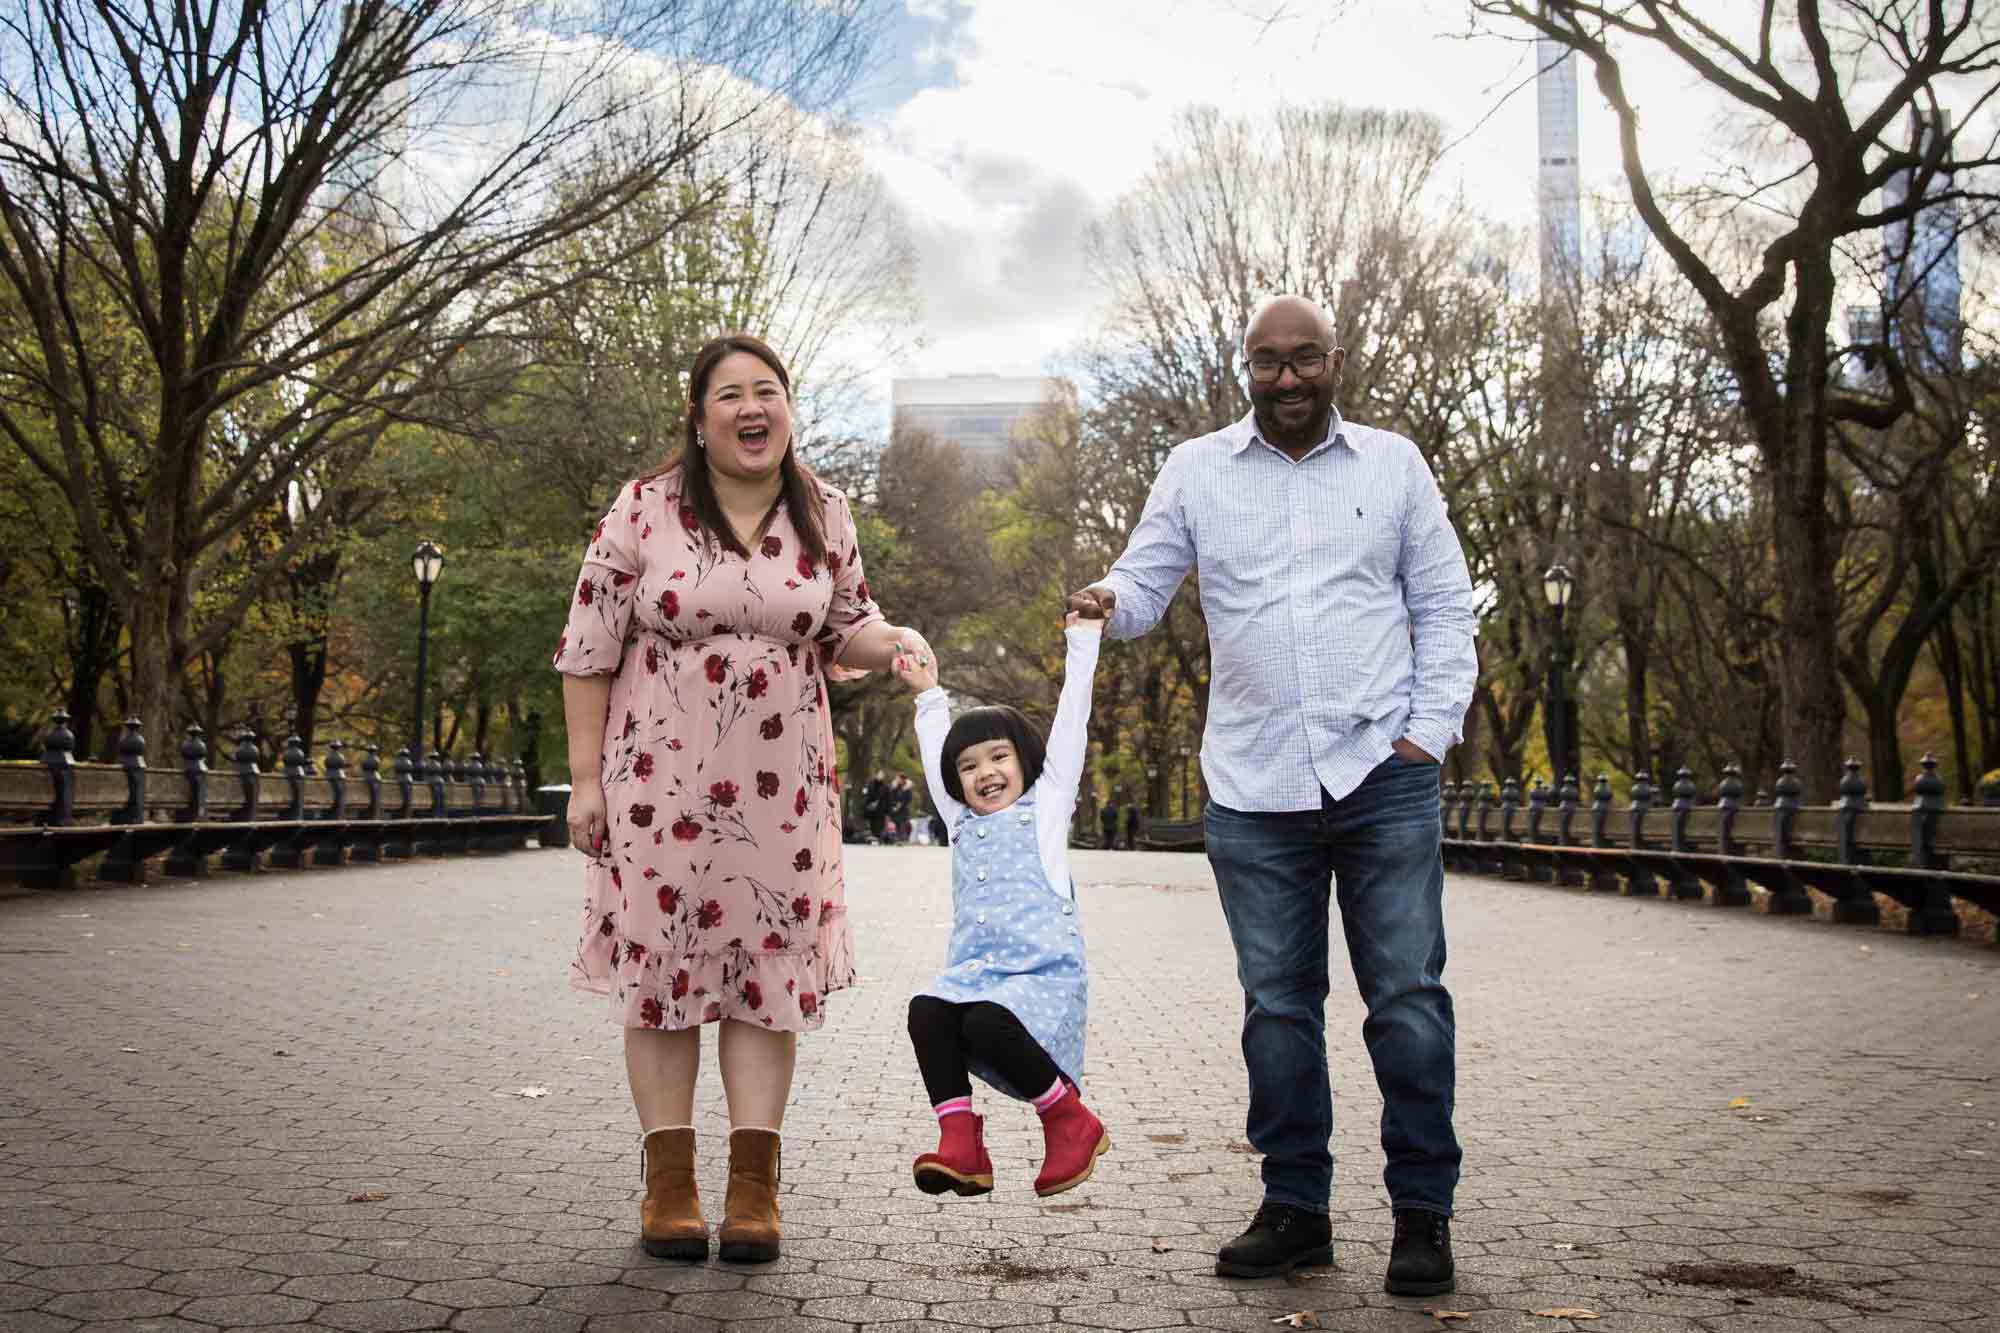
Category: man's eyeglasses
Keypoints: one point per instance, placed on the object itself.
(1307, 365)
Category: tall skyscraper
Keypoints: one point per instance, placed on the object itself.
(1923, 278)
(1558, 192)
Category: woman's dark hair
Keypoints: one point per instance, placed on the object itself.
(799, 490)
(996, 722)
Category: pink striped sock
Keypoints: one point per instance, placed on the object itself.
(1051, 1097)
(956, 1106)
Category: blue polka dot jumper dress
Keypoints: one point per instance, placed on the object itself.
(1015, 941)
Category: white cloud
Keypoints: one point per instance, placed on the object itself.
(1048, 109)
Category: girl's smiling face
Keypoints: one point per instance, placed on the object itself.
(990, 775)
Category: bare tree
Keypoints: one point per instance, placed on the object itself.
(299, 212)
(1829, 88)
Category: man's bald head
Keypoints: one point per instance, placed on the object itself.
(1288, 311)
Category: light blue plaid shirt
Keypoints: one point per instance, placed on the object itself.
(1338, 605)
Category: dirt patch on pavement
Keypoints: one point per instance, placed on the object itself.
(1885, 1198)
(1760, 1279)
(1004, 1270)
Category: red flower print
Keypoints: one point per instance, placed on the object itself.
(826, 909)
(606, 926)
(772, 547)
(641, 816)
(753, 995)
(599, 534)
(833, 562)
(642, 767)
(636, 491)
(563, 642)
(861, 590)
(586, 591)
(804, 860)
(670, 899)
(674, 743)
(652, 660)
(775, 940)
(712, 1014)
(771, 727)
(620, 580)
(759, 682)
(686, 830)
(805, 566)
(670, 605)
(651, 1013)
(717, 666)
(645, 532)
(617, 880)
(802, 906)
(635, 952)
(767, 784)
(722, 793)
(680, 984)
(799, 803)
(631, 723)
(688, 520)
(709, 915)
(802, 623)
(808, 1004)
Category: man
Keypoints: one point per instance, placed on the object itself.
(1107, 823)
(1340, 623)
(875, 805)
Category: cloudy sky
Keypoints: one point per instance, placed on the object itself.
(1003, 126)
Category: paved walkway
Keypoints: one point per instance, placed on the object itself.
(295, 1100)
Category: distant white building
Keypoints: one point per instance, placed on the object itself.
(979, 413)
(1558, 189)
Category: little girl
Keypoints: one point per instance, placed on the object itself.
(1009, 1005)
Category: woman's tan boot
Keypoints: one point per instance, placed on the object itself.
(670, 1221)
(750, 1212)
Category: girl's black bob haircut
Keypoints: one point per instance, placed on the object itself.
(995, 722)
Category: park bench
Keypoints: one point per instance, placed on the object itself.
(1171, 835)
(58, 816)
(1925, 856)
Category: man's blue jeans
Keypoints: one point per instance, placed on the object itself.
(1379, 846)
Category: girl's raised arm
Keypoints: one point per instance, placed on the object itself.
(1069, 734)
(933, 722)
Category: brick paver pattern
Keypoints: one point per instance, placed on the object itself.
(297, 1099)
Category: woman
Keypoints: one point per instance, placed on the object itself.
(714, 597)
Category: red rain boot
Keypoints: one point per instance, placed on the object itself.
(960, 1163)
(1073, 1139)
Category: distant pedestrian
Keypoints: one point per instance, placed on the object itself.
(902, 796)
(1131, 826)
(1010, 1003)
(875, 805)
(1107, 824)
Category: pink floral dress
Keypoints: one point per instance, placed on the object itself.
(721, 895)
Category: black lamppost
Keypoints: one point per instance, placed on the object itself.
(428, 563)
(1152, 790)
(1556, 586)
(1186, 750)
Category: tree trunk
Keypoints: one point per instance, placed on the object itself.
(308, 679)
(155, 675)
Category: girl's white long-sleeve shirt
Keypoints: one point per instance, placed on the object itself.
(1062, 768)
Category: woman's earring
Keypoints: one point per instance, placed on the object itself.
(700, 441)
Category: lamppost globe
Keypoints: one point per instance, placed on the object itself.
(427, 562)
(1556, 585)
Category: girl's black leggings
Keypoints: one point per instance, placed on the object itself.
(944, 1032)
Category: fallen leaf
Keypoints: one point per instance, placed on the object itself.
(284, 1053)
(129, 1050)
(1567, 1312)
(533, 1092)
(1161, 1247)
(1299, 1319)
(1444, 1315)
(1738, 1103)
(1866, 948)
(502, 972)
(366, 1198)
(1563, 1245)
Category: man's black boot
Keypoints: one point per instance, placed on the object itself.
(1420, 1261)
(1280, 1238)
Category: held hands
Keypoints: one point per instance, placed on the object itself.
(1096, 602)
(589, 822)
(913, 663)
